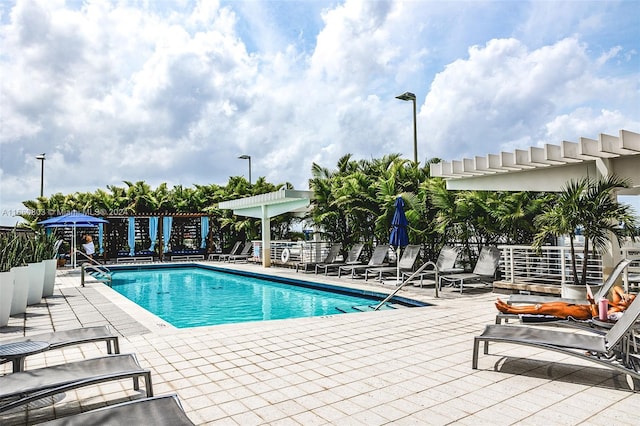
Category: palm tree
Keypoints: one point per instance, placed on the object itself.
(590, 206)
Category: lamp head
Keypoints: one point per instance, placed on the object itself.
(407, 96)
(41, 156)
(245, 157)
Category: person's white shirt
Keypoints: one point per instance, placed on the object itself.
(89, 248)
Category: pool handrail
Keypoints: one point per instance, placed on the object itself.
(420, 269)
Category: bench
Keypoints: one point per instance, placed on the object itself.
(185, 257)
(134, 259)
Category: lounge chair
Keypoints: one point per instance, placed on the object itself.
(406, 262)
(377, 259)
(331, 256)
(233, 251)
(604, 290)
(445, 264)
(612, 349)
(77, 336)
(158, 410)
(352, 259)
(23, 387)
(483, 273)
(243, 255)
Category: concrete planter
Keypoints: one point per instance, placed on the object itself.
(573, 291)
(36, 283)
(6, 292)
(20, 289)
(49, 277)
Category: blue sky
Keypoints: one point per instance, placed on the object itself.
(175, 91)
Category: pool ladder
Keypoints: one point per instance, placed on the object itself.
(97, 270)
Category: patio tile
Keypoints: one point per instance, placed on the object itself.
(401, 367)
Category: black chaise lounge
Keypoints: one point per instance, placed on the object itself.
(613, 349)
(158, 411)
(20, 388)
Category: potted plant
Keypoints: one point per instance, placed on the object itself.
(13, 258)
(34, 255)
(591, 207)
(49, 245)
(7, 258)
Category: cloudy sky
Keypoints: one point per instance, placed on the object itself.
(174, 91)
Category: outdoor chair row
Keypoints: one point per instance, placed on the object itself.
(21, 387)
(235, 254)
(445, 271)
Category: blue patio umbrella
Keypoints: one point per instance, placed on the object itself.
(73, 220)
(399, 236)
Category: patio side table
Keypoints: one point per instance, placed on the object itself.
(18, 351)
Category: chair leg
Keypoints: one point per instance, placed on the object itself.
(474, 361)
(148, 385)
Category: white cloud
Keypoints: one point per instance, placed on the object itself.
(175, 91)
(507, 96)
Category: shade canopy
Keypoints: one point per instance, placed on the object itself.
(74, 220)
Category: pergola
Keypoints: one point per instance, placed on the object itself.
(549, 168)
(266, 206)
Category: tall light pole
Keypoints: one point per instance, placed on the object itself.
(247, 157)
(408, 96)
(41, 158)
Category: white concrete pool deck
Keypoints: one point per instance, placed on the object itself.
(406, 366)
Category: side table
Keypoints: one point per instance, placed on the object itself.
(18, 351)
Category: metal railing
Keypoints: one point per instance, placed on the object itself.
(94, 266)
(412, 276)
(296, 251)
(551, 265)
(631, 275)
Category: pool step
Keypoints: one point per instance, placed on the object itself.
(98, 276)
(368, 308)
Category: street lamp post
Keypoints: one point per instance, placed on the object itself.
(41, 158)
(247, 157)
(408, 96)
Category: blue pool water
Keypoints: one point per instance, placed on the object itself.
(195, 296)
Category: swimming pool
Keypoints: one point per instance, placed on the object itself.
(192, 296)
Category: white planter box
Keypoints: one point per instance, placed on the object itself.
(49, 277)
(573, 291)
(36, 283)
(6, 290)
(20, 290)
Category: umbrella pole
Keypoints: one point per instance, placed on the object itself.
(398, 266)
(73, 247)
